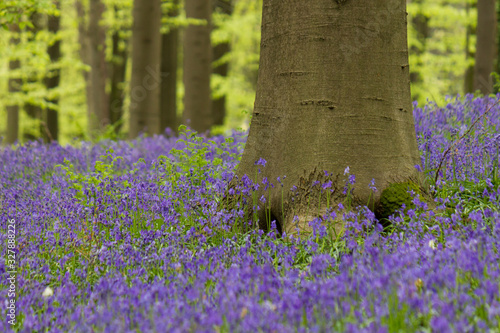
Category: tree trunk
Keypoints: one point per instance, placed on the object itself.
(118, 71)
(198, 67)
(83, 39)
(221, 66)
(14, 87)
(333, 91)
(98, 71)
(485, 46)
(146, 75)
(33, 110)
(51, 131)
(169, 56)
(498, 39)
(469, 55)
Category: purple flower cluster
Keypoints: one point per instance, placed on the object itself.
(128, 236)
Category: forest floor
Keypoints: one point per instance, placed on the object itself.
(127, 236)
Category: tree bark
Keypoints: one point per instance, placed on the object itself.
(333, 91)
(498, 41)
(221, 67)
(169, 63)
(118, 70)
(83, 39)
(98, 71)
(14, 87)
(485, 46)
(51, 132)
(198, 67)
(146, 75)
(33, 110)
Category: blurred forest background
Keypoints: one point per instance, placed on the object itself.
(67, 66)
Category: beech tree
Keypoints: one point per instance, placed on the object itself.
(198, 66)
(98, 98)
(169, 54)
(485, 46)
(220, 64)
(118, 68)
(51, 131)
(15, 84)
(333, 92)
(33, 109)
(146, 78)
(92, 38)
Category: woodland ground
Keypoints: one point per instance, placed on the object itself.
(127, 237)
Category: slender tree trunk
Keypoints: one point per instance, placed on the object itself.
(221, 66)
(14, 87)
(51, 131)
(469, 55)
(198, 67)
(83, 39)
(34, 111)
(98, 72)
(169, 63)
(485, 46)
(146, 75)
(330, 94)
(118, 71)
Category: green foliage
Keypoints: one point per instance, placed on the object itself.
(440, 59)
(103, 175)
(242, 29)
(18, 11)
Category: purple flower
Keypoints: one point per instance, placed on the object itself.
(261, 161)
(326, 185)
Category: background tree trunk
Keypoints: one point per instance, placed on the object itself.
(221, 66)
(14, 87)
(485, 46)
(469, 55)
(169, 56)
(83, 39)
(118, 68)
(331, 94)
(198, 67)
(146, 75)
(33, 110)
(98, 71)
(51, 132)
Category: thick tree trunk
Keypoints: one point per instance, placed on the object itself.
(51, 131)
(34, 111)
(146, 75)
(14, 87)
(198, 67)
(333, 91)
(485, 46)
(221, 67)
(98, 71)
(498, 41)
(169, 56)
(118, 71)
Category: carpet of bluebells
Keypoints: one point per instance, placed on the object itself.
(129, 237)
